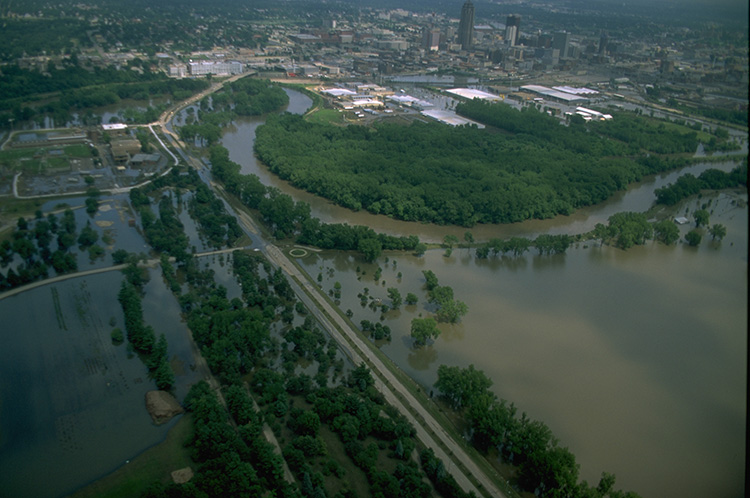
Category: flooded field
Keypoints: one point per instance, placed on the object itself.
(72, 404)
(635, 359)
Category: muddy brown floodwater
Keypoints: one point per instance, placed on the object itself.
(635, 359)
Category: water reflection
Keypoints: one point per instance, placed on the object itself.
(422, 358)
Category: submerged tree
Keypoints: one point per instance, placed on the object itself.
(423, 329)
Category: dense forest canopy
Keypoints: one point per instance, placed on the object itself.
(430, 172)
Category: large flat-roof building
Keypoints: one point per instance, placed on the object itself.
(223, 68)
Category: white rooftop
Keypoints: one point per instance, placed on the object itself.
(450, 118)
(543, 90)
(575, 90)
(114, 126)
(409, 100)
(338, 92)
(472, 93)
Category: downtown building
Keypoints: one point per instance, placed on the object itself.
(512, 29)
(466, 26)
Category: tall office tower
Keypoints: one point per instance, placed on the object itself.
(431, 39)
(512, 29)
(603, 41)
(466, 25)
(561, 41)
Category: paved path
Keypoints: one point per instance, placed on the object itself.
(95, 271)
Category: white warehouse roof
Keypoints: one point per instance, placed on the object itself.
(472, 93)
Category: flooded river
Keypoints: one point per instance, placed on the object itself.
(636, 360)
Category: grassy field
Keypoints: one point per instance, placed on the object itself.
(669, 125)
(78, 151)
(155, 464)
(324, 116)
(36, 159)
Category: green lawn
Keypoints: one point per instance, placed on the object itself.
(78, 151)
(155, 464)
(702, 135)
(323, 116)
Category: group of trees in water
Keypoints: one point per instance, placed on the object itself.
(711, 179)
(43, 243)
(524, 165)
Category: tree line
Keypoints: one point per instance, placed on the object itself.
(81, 89)
(143, 339)
(463, 176)
(544, 467)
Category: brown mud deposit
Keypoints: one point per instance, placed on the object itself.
(162, 406)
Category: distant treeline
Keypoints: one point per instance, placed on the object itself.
(463, 176)
(81, 89)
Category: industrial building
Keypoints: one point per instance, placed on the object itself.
(472, 93)
(217, 68)
(556, 95)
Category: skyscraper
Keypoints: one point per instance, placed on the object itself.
(561, 41)
(603, 42)
(466, 25)
(512, 29)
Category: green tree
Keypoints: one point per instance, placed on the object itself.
(431, 280)
(449, 241)
(693, 237)
(701, 217)
(420, 249)
(461, 386)
(395, 296)
(411, 298)
(370, 248)
(666, 231)
(717, 231)
(164, 376)
(88, 236)
(601, 233)
(423, 329)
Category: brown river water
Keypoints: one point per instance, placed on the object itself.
(635, 359)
